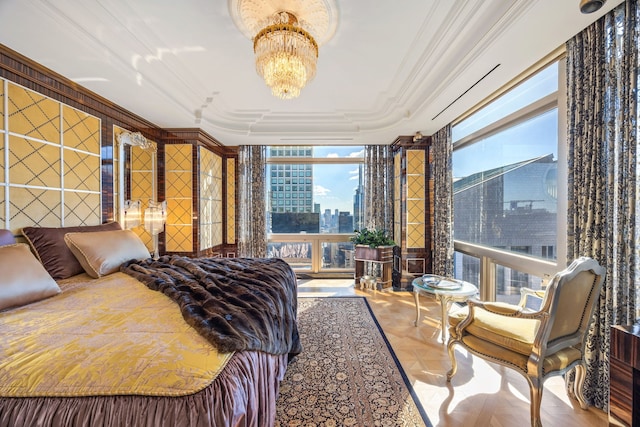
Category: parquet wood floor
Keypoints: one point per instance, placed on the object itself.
(481, 393)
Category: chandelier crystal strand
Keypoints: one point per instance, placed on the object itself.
(286, 56)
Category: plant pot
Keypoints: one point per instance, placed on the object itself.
(379, 254)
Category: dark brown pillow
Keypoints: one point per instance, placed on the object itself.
(54, 254)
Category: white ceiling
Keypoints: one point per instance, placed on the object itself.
(392, 67)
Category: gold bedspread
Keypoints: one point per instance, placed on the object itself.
(107, 336)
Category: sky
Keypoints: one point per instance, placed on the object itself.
(334, 185)
(534, 138)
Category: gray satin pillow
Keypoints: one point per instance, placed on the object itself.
(102, 252)
(22, 278)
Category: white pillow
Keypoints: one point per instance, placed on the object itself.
(102, 252)
(22, 278)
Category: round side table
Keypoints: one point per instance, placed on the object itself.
(445, 297)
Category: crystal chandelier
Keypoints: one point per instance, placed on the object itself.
(286, 55)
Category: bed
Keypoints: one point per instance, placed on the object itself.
(113, 337)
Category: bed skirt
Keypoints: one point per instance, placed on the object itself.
(244, 394)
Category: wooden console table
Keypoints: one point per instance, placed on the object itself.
(624, 372)
(382, 255)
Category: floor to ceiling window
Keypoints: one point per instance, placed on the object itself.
(509, 218)
(314, 203)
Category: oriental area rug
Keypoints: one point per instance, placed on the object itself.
(347, 373)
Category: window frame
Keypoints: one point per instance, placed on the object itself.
(316, 240)
(492, 257)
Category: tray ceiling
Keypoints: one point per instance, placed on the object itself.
(389, 69)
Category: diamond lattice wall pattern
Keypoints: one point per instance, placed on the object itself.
(231, 201)
(142, 185)
(210, 199)
(54, 162)
(178, 191)
(415, 198)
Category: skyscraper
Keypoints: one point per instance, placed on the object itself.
(291, 185)
(358, 203)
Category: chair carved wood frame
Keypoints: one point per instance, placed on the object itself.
(537, 344)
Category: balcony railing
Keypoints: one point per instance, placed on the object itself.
(314, 253)
(498, 274)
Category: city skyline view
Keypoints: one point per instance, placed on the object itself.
(333, 185)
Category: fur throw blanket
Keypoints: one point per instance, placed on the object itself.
(235, 303)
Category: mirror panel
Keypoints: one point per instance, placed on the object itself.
(137, 180)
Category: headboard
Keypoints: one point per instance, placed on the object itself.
(6, 237)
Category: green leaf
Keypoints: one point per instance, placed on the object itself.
(372, 238)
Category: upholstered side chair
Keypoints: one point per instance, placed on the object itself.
(538, 344)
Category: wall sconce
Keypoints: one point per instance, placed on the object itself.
(132, 213)
(155, 216)
(417, 137)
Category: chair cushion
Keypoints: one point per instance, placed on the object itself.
(507, 332)
(558, 361)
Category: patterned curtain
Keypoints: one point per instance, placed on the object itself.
(378, 187)
(442, 149)
(602, 76)
(378, 194)
(252, 236)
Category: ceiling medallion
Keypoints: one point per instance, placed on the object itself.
(286, 35)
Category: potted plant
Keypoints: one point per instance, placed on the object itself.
(373, 245)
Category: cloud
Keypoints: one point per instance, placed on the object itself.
(320, 191)
(355, 174)
(355, 154)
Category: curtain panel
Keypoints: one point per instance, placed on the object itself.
(602, 83)
(378, 187)
(252, 236)
(442, 149)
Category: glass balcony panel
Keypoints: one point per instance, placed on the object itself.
(510, 281)
(467, 268)
(296, 254)
(337, 256)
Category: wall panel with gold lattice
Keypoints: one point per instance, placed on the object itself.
(416, 194)
(412, 217)
(178, 193)
(142, 185)
(231, 201)
(210, 199)
(49, 162)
